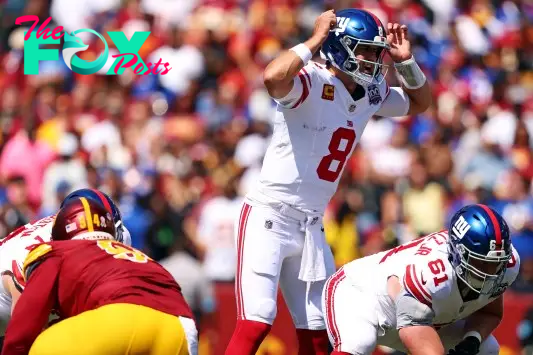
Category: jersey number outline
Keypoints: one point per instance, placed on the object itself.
(335, 154)
(121, 251)
(438, 267)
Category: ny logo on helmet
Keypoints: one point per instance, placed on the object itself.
(342, 23)
(460, 227)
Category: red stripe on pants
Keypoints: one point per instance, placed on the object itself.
(331, 286)
(243, 220)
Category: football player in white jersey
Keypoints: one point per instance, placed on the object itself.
(441, 294)
(322, 111)
(15, 247)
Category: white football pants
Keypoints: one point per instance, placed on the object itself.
(269, 251)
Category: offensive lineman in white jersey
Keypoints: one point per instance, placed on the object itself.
(15, 247)
(321, 114)
(441, 294)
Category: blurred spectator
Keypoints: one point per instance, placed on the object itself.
(524, 246)
(423, 202)
(187, 61)
(27, 157)
(215, 234)
(341, 229)
(195, 284)
(525, 333)
(515, 204)
(15, 210)
(170, 208)
(68, 171)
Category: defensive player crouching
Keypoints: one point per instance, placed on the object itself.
(15, 247)
(111, 299)
(321, 115)
(439, 294)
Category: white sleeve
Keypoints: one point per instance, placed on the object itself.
(290, 100)
(396, 103)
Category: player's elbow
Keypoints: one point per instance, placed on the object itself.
(276, 82)
(272, 78)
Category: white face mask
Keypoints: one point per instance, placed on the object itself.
(363, 71)
(480, 273)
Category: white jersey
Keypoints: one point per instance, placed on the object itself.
(13, 251)
(427, 275)
(215, 232)
(316, 128)
(15, 247)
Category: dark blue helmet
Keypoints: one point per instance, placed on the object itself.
(357, 28)
(109, 205)
(480, 247)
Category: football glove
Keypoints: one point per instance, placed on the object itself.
(468, 346)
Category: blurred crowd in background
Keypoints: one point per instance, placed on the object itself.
(178, 152)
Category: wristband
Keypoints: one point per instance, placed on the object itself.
(303, 52)
(474, 334)
(410, 74)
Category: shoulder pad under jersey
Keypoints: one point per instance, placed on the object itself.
(34, 258)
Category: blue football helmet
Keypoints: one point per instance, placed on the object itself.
(107, 202)
(357, 28)
(480, 247)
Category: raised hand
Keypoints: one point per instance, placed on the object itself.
(400, 46)
(323, 24)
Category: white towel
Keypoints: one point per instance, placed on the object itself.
(313, 266)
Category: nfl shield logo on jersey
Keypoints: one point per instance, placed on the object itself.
(374, 97)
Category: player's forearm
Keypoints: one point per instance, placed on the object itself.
(485, 320)
(415, 85)
(421, 340)
(420, 99)
(279, 74)
(482, 322)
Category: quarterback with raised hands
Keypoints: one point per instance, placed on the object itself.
(441, 294)
(15, 247)
(322, 110)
